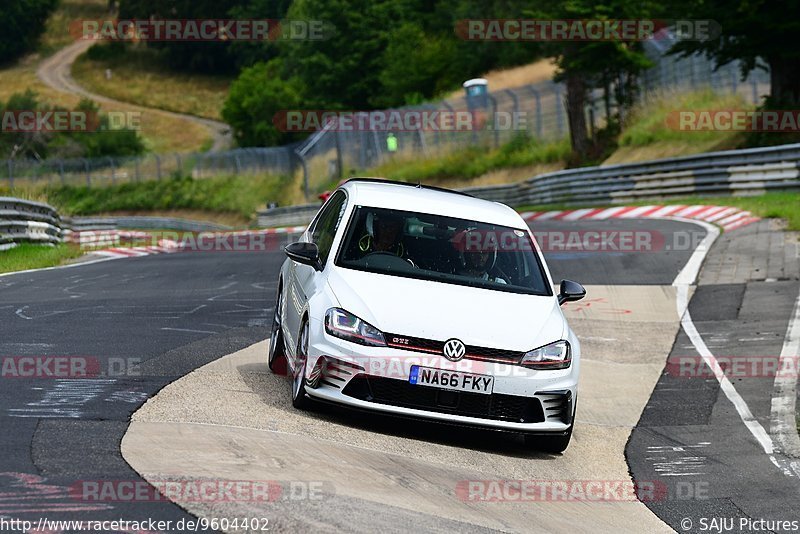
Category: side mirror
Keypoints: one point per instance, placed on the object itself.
(570, 291)
(305, 253)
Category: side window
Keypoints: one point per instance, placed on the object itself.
(326, 225)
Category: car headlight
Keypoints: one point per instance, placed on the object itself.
(553, 356)
(345, 325)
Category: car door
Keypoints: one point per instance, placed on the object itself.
(304, 279)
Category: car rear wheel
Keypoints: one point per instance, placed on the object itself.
(299, 399)
(277, 350)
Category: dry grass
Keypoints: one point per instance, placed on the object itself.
(234, 220)
(502, 176)
(137, 78)
(668, 149)
(540, 71)
(648, 136)
(161, 133)
(22, 76)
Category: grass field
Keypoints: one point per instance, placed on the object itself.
(647, 135)
(29, 256)
(237, 196)
(470, 163)
(138, 77)
(161, 133)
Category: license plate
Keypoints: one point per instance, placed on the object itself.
(458, 381)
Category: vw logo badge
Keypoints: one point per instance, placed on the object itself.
(454, 349)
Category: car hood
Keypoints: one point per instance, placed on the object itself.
(440, 311)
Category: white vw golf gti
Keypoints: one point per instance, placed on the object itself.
(422, 302)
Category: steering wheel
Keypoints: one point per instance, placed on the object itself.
(392, 255)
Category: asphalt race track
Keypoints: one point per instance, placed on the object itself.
(158, 316)
(144, 323)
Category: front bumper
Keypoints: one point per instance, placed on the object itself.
(376, 379)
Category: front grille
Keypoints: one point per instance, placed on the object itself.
(406, 395)
(473, 352)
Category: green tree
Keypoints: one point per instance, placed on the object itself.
(21, 24)
(253, 101)
(416, 67)
(585, 65)
(203, 56)
(752, 30)
(341, 71)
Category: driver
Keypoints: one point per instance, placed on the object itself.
(478, 261)
(384, 234)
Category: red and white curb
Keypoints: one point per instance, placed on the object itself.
(163, 246)
(726, 217)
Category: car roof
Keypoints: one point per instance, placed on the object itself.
(423, 199)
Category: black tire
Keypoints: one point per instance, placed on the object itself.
(299, 398)
(276, 357)
(551, 444)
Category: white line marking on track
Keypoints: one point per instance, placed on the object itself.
(725, 385)
(783, 425)
(691, 270)
(189, 330)
(685, 278)
(70, 266)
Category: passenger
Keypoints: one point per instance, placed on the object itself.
(478, 257)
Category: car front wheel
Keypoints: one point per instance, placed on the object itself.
(277, 351)
(299, 399)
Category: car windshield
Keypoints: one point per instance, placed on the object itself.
(442, 249)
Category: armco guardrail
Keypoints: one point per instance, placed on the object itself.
(27, 221)
(79, 224)
(749, 171)
(742, 172)
(287, 216)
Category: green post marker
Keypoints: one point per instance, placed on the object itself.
(391, 142)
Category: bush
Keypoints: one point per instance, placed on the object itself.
(42, 144)
(232, 194)
(253, 102)
(106, 51)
